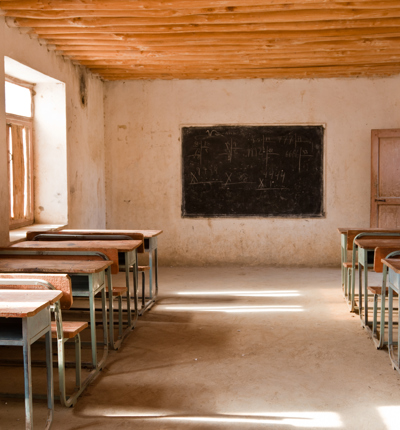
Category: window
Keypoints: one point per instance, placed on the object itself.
(19, 119)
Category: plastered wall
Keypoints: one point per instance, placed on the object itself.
(84, 132)
(143, 162)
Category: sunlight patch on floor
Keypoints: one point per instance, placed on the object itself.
(231, 309)
(390, 416)
(284, 293)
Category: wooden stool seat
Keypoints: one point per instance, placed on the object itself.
(378, 291)
(143, 268)
(70, 329)
(117, 291)
(349, 265)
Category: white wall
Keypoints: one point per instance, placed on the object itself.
(85, 180)
(143, 168)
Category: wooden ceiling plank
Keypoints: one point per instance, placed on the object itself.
(222, 30)
(126, 11)
(291, 44)
(286, 62)
(232, 57)
(143, 5)
(284, 17)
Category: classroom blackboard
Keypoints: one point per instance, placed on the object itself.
(267, 171)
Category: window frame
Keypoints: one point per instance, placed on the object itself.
(27, 123)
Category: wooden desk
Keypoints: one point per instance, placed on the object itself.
(88, 279)
(150, 246)
(32, 308)
(347, 236)
(381, 253)
(61, 330)
(393, 283)
(367, 245)
(110, 248)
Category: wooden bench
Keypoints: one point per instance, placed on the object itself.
(60, 330)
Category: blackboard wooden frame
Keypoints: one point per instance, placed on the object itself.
(253, 171)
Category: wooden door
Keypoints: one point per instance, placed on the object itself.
(385, 178)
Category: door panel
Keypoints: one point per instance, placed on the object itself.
(385, 178)
(389, 216)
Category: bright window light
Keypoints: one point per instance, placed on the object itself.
(390, 416)
(18, 100)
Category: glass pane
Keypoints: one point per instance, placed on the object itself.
(18, 100)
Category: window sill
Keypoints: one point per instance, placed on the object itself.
(19, 234)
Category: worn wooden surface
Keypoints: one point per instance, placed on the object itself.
(352, 233)
(146, 233)
(70, 329)
(133, 234)
(61, 282)
(187, 39)
(385, 186)
(25, 303)
(108, 247)
(26, 264)
(392, 263)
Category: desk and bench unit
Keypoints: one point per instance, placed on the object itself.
(89, 261)
(24, 318)
(383, 245)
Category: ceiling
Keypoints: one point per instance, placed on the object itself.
(233, 39)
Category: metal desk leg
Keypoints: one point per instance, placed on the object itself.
(379, 343)
(156, 269)
(390, 325)
(28, 376)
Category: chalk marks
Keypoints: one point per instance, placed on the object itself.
(252, 170)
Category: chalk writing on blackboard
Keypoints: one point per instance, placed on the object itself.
(252, 171)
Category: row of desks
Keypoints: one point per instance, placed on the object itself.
(93, 262)
(373, 249)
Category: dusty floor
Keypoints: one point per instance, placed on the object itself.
(238, 348)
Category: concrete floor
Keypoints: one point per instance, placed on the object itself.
(238, 348)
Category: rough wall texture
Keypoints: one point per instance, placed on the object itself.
(143, 162)
(84, 128)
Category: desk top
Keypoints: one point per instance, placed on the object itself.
(146, 233)
(392, 263)
(108, 247)
(81, 245)
(375, 242)
(344, 230)
(26, 264)
(26, 303)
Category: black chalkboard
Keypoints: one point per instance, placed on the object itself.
(236, 171)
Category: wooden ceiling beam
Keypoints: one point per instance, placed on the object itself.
(328, 17)
(193, 10)
(182, 64)
(259, 39)
(291, 44)
(193, 32)
(139, 5)
(220, 58)
(285, 72)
